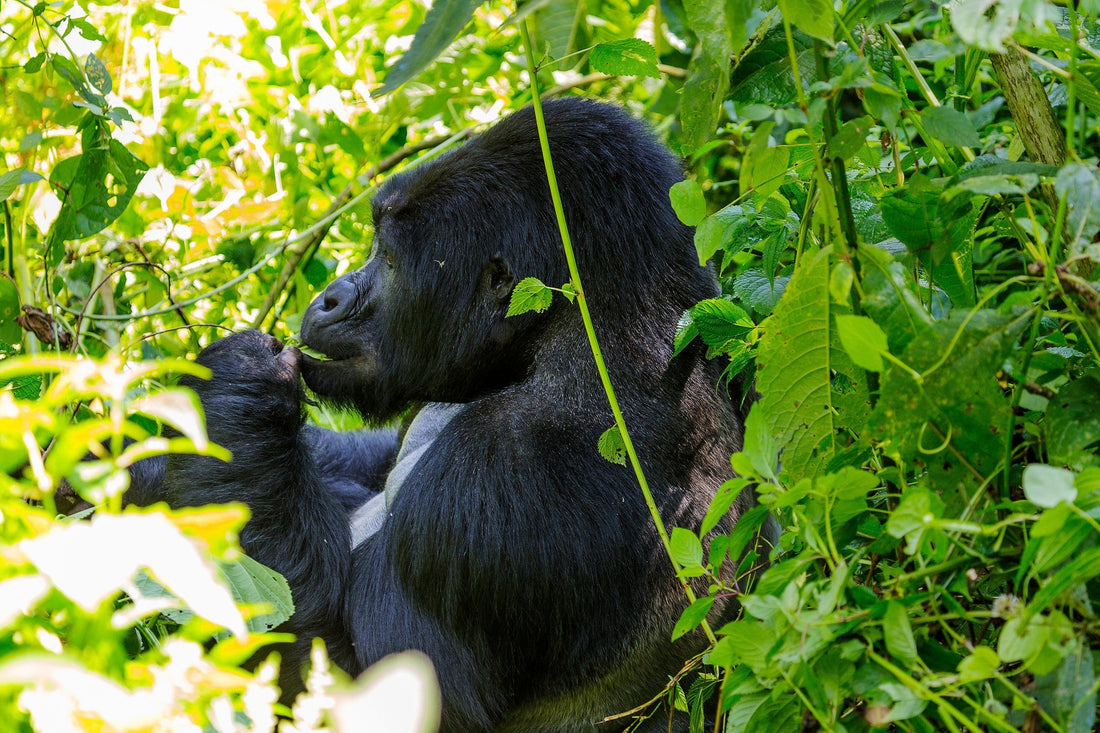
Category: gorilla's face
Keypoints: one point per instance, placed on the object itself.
(423, 320)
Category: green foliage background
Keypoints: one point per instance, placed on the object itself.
(901, 201)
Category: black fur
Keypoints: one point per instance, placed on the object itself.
(524, 564)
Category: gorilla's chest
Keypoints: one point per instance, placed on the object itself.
(432, 419)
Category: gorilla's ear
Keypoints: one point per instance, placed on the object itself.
(497, 277)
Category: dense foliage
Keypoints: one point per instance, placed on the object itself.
(901, 200)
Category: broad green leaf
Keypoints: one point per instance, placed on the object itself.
(1068, 693)
(1079, 185)
(1047, 486)
(10, 331)
(530, 294)
(627, 57)
(1022, 640)
(890, 298)
(951, 423)
(1073, 419)
(898, 634)
(612, 447)
(688, 202)
(98, 185)
(795, 370)
(812, 17)
(863, 340)
(950, 126)
(692, 616)
(687, 551)
(254, 583)
(441, 25)
(850, 138)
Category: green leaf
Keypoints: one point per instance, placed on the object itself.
(721, 503)
(1068, 693)
(1073, 419)
(720, 321)
(717, 231)
(1021, 640)
(850, 138)
(982, 664)
(254, 583)
(97, 74)
(628, 57)
(863, 340)
(951, 423)
(179, 408)
(98, 185)
(812, 17)
(1047, 486)
(692, 616)
(688, 202)
(612, 447)
(1079, 185)
(1080, 569)
(950, 126)
(794, 369)
(761, 293)
(9, 182)
(530, 294)
(35, 63)
(899, 635)
(441, 25)
(687, 550)
(915, 513)
(10, 331)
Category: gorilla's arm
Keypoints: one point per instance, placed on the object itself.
(297, 527)
(353, 465)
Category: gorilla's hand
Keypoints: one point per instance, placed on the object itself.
(254, 384)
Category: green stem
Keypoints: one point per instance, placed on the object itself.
(586, 316)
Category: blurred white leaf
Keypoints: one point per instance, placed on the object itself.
(399, 694)
(18, 596)
(178, 407)
(91, 561)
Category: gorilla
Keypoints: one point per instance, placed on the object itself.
(490, 534)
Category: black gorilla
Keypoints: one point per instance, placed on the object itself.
(493, 537)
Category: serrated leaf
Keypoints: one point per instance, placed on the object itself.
(530, 294)
(863, 340)
(685, 333)
(721, 503)
(687, 201)
(612, 447)
(794, 373)
(626, 57)
(720, 321)
(950, 424)
(441, 25)
(254, 583)
(761, 294)
(982, 664)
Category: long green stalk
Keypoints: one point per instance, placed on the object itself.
(586, 316)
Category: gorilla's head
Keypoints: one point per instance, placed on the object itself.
(424, 318)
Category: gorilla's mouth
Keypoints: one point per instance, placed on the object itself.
(335, 376)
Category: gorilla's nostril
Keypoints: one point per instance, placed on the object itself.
(331, 302)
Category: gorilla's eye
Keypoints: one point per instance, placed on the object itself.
(389, 260)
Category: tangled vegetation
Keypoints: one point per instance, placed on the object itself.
(902, 201)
